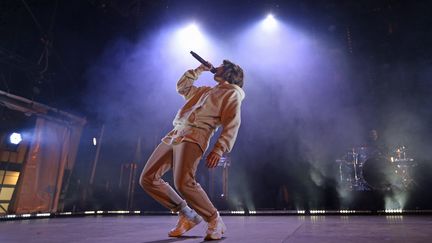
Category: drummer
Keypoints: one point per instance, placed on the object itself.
(375, 144)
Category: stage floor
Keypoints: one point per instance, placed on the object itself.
(264, 229)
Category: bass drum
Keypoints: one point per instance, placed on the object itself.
(379, 173)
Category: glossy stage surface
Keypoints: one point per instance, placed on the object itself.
(141, 229)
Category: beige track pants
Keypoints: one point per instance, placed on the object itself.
(183, 158)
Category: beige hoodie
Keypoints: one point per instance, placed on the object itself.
(205, 110)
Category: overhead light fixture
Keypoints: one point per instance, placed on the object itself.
(15, 138)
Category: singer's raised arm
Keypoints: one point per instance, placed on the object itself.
(185, 85)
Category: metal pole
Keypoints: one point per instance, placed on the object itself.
(129, 185)
(99, 143)
(132, 184)
(225, 182)
(121, 176)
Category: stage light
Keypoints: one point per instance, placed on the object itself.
(191, 30)
(15, 138)
(317, 211)
(180, 40)
(94, 141)
(396, 210)
(238, 212)
(190, 37)
(270, 22)
(344, 211)
(118, 212)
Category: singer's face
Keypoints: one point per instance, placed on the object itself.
(218, 75)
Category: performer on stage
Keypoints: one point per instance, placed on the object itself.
(375, 144)
(206, 109)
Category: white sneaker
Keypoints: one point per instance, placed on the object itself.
(184, 224)
(216, 228)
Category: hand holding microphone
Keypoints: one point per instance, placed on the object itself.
(204, 62)
(203, 68)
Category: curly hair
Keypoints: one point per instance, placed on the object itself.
(233, 73)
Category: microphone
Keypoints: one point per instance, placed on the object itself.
(201, 60)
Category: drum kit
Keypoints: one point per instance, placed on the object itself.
(367, 168)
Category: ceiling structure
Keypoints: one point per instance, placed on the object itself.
(47, 45)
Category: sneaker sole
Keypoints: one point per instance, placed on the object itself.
(216, 236)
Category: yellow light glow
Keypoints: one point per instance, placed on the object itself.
(11, 178)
